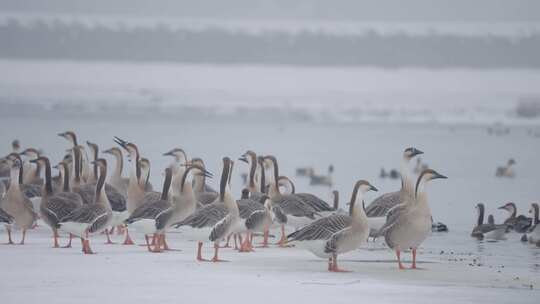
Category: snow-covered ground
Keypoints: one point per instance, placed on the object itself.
(36, 273)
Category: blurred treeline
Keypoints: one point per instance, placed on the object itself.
(77, 41)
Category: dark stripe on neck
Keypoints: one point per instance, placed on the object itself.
(101, 181)
(48, 178)
(66, 177)
(224, 179)
(166, 184)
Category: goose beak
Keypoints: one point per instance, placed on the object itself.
(243, 158)
(437, 175)
(121, 142)
(417, 152)
(170, 153)
(372, 188)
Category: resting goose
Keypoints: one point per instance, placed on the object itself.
(409, 223)
(16, 204)
(90, 218)
(329, 236)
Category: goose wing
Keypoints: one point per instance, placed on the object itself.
(315, 202)
(206, 216)
(321, 229)
(382, 204)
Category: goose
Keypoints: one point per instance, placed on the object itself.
(489, 231)
(153, 217)
(506, 171)
(90, 218)
(136, 186)
(55, 206)
(31, 191)
(382, 204)
(329, 236)
(517, 223)
(246, 206)
(533, 233)
(214, 221)
(31, 173)
(16, 204)
(4, 167)
(409, 223)
(71, 137)
(145, 173)
(322, 180)
(322, 207)
(250, 158)
(290, 209)
(116, 180)
(116, 199)
(258, 193)
(259, 221)
(203, 193)
(304, 171)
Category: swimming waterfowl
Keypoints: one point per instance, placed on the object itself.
(489, 231)
(506, 171)
(16, 204)
(322, 180)
(329, 236)
(382, 204)
(409, 223)
(517, 223)
(91, 218)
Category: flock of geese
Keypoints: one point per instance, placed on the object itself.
(83, 201)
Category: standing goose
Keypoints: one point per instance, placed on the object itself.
(489, 231)
(90, 218)
(315, 236)
(216, 219)
(382, 204)
(518, 223)
(116, 180)
(153, 217)
(53, 206)
(16, 204)
(203, 193)
(409, 223)
(247, 206)
(259, 221)
(295, 209)
(116, 199)
(31, 191)
(136, 186)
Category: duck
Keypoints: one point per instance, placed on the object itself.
(322, 180)
(382, 204)
(506, 171)
(517, 223)
(489, 231)
(55, 206)
(408, 224)
(17, 205)
(338, 233)
(91, 218)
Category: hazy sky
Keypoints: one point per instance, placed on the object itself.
(359, 10)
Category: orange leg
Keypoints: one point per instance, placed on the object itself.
(216, 252)
(146, 238)
(199, 253)
(158, 241)
(335, 267)
(413, 259)
(88, 249)
(83, 243)
(265, 239)
(283, 240)
(246, 246)
(227, 243)
(55, 238)
(120, 229)
(111, 231)
(398, 254)
(128, 240)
